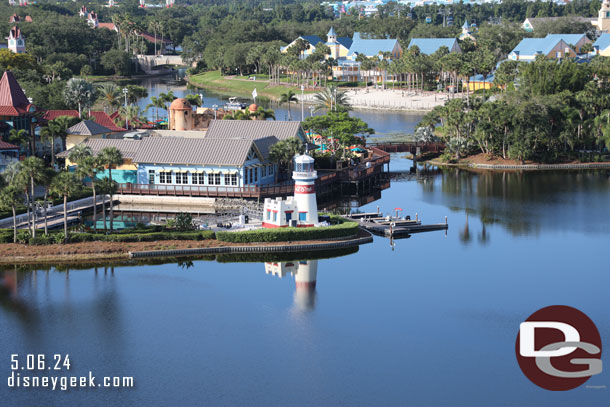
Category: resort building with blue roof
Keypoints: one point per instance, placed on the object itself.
(429, 46)
(530, 48)
(602, 45)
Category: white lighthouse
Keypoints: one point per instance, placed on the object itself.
(301, 209)
(304, 177)
(305, 279)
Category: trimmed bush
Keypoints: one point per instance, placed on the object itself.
(141, 237)
(343, 229)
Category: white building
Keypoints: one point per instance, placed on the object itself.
(301, 209)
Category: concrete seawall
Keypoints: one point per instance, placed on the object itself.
(368, 238)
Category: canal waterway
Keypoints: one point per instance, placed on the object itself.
(426, 321)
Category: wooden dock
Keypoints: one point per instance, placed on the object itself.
(394, 227)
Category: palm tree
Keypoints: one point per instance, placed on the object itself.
(9, 198)
(46, 178)
(111, 95)
(331, 99)
(111, 156)
(19, 137)
(194, 100)
(78, 153)
(32, 169)
(283, 152)
(288, 97)
(65, 184)
(89, 166)
(60, 126)
(105, 188)
(131, 114)
(79, 92)
(263, 114)
(157, 102)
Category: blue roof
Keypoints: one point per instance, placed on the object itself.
(428, 46)
(312, 39)
(568, 38)
(602, 42)
(345, 41)
(332, 32)
(531, 46)
(481, 78)
(465, 24)
(370, 47)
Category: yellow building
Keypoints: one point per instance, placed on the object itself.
(603, 17)
(85, 130)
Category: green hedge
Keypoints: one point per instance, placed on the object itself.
(6, 236)
(343, 228)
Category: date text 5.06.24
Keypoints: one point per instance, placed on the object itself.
(33, 361)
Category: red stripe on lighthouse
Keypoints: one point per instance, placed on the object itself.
(304, 189)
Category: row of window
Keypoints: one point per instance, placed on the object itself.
(251, 173)
(196, 178)
(273, 215)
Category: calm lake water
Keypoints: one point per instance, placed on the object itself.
(385, 123)
(431, 321)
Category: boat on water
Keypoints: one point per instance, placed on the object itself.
(234, 104)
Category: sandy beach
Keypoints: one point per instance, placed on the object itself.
(389, 99)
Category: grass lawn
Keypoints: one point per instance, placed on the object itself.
(240, 85)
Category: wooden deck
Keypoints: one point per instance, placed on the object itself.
(408, 147)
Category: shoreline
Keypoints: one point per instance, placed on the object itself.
(523, 167)
(13, 254)
(359, 98)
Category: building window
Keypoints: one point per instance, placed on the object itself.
(275, 216)
(288, 216)
(182, 178)
(165, 177)
(256, 175)
(151, 176)
(303, 216)
(214, 179)
(198, 178)
(271, 169)
(264, 171)
(251, 176)
(268, 214)
(231, 179)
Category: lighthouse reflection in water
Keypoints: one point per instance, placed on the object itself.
(304, 272)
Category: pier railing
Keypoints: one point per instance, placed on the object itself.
(407, 147)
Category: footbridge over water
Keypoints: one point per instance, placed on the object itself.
(151, 63)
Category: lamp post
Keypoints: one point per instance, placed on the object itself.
(302, 102)
(201, 99)
(125, 92)
(311, 109)
(215, 107)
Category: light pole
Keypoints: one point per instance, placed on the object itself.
(125, 91)
(201, 99)
(302, 102)
(311, 109)
(215, 107)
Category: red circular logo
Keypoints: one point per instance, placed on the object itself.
(559, 348)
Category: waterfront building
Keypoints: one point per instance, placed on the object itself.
(301, 209)
(85, 130)
(429, 46)
(575, 41)
(533, 23)
(231, 154)
(602, 45)
(550, 47)
(16, 40)
(16, 110)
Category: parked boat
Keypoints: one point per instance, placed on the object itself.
(234, 104)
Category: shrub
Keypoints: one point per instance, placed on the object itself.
(40, 240)
(58, 238)
(343, 229)
(23, 236)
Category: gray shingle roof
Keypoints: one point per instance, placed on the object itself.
(127, 147)
(88, 128)
(170, 150)
(252, 129)
(264, 145)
